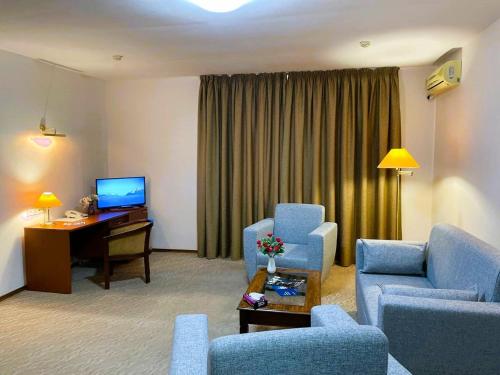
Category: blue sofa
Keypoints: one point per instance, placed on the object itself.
(444, 319)
(335, 344)
(310, 242)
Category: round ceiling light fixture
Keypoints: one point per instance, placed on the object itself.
(365, 43)
(220, 6)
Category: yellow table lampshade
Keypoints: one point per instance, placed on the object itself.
(47, 200)
(398, 158)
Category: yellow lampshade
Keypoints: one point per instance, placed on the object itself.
(47, 200)
(398, 158)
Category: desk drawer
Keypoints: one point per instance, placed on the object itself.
(119, 221)
(138, 215)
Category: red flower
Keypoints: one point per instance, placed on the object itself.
(269, 234)
(259, 242)
(278, 239)
(277, 247)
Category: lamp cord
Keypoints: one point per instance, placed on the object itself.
(49, 89)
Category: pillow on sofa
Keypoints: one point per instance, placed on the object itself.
(449, 294)
(393, 257)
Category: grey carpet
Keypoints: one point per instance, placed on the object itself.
(127, 329)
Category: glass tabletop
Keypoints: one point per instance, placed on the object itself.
(291, 285)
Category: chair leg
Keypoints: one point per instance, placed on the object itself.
(146, 267)
(106, 273)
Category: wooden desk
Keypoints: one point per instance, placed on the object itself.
(48, 248)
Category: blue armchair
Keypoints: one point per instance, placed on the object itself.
(310, 242)
(335, 344)
(444, 319)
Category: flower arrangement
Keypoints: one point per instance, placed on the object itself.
(89, 203)
(271, 245)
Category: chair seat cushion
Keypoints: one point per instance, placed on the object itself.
(295, 256)
(369, 288)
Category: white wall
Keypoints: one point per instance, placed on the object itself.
(67, 167)
(152, 131)
(467, 159)
(417, 127)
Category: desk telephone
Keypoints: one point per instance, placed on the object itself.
(72, 214)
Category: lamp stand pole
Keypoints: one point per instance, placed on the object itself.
(398, 199)
(46, 217)
(399, 173)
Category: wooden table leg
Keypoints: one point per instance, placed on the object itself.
(243, 322)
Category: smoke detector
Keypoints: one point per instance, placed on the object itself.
(365, 43)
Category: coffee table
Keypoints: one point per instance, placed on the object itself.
(282, 311)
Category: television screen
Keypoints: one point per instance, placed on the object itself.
(121, 192)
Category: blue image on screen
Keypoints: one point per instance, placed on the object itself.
(116, 192)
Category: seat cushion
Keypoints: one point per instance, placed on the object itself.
(458, 260)
(295, 256)
(449, 294)
(293, 222)
(368, 288)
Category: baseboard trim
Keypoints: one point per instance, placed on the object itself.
(10, 294)
(157, 250)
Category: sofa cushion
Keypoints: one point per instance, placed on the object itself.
(458, 260)
(393, 257)
(295, 256)
(293, 222)
(410, 291)
(368, 291)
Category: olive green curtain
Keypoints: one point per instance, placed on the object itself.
(305, 137)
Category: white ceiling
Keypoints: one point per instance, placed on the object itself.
(175, 37)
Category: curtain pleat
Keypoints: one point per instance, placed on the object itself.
(304, 137)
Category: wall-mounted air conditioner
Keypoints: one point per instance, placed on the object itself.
(444, 78)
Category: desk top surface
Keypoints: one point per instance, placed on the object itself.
(86, 222)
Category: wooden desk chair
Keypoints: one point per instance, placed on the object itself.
(128, 242)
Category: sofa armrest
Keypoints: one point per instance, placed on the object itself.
(190, 345)
(250, 236)
(322, 247)
(330, 315)
(442, 336)
(339, 349)
(360, 247)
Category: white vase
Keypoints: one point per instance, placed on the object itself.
(271, 265)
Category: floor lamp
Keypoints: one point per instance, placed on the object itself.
(399, 159)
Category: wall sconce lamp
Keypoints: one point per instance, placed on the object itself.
(399, 159)
(48, 132)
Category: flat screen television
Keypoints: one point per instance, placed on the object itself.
(120, 192)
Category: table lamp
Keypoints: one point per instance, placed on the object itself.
(47, 200)
(399, 159)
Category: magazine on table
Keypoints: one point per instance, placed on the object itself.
(287, 284)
